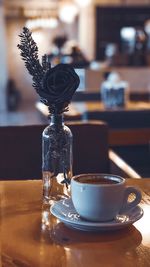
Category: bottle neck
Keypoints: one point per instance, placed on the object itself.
(57, 119)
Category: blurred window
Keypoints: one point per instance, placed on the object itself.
(81, 73)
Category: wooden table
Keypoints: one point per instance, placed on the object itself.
(99, 106)
(30, 236)
(133, 115)
(80, 107)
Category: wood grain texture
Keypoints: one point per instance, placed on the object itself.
(30, 236)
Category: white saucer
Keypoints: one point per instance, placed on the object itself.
(65, 212)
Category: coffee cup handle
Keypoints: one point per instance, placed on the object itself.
(127, 205)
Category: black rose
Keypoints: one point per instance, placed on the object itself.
(59, 84)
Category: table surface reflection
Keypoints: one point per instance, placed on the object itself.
(30, 236)
(83, 106)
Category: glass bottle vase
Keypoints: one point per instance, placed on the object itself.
(56, 159)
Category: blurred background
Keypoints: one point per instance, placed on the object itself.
(91, 35)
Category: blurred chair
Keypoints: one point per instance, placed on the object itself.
(122, 119)
(21, 151)
(86, 96)
(92, 153)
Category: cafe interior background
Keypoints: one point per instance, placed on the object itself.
(106, 35)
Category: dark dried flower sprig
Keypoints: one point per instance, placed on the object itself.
(56, 85)
(29, 53)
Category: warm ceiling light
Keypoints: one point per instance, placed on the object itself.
(68, 12)
(83, 3)
(128, 33)
(53, 22)
(42, 23)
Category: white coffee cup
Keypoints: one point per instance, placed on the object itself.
(101, 197)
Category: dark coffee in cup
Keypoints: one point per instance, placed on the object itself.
(92, 180)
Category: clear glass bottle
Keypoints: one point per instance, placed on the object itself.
(56, 159)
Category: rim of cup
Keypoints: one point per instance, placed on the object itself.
(119, 180)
